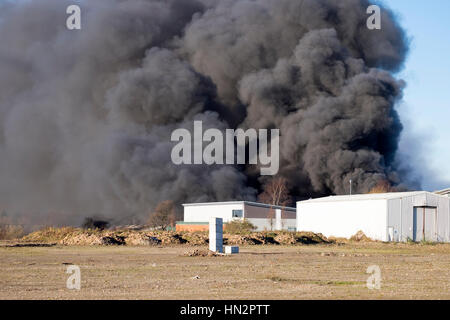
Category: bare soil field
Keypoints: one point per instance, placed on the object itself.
(324, 271)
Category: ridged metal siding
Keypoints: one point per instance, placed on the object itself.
(401, 214)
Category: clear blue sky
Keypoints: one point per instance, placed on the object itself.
(425, 110)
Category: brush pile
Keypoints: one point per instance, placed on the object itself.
(85, 237)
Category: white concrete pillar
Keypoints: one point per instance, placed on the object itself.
(278, 224)
(216, 235)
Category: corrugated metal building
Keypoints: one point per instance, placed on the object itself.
(399, 216)
(445, 192)
(263, 216)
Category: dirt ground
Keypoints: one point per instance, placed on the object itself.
(408, 271)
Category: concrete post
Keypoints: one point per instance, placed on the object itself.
(278, 224)
(216, 235)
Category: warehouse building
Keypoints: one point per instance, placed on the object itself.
(445, 192)
(399, 216)
(262, 216)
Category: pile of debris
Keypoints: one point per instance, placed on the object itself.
(196, 238)
(237, 239)
(285, 238)
(360, 237)
(50, 234)
(170, 237)
(85, 237)
(312, 238)
(141, 239)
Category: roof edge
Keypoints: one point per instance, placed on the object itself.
(374, 196)
(250, 203)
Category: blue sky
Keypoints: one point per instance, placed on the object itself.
(425, 110)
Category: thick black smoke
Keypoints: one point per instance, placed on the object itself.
(86, 116)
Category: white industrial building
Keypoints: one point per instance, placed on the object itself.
(398, 216)
(262, 216)
(445, 192)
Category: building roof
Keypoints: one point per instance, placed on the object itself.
(250, 203)
(370, 196)
(443, 192)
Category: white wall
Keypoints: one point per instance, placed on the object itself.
(202, 213)
(258, 215)
(344, 218)
(264, 224)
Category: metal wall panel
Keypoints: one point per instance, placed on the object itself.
(402, 213)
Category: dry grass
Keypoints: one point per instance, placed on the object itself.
(50, 234)
(409, 271)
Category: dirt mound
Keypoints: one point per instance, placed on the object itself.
(196, 238)
(338, 240)
(241, 239)
(139, 239)
(49, 235)
(82, 240)
(263, 238)
(78, 236)
(169, 237)
(311, 238)
(113, 241)
(360, 237)
(285, 238)
(74, 236)
(88, 239)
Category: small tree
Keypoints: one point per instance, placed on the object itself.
(239, 227)
(8, 230)
(163, 216)
(275, 193)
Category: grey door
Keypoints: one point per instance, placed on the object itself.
(418, 224)
(430, 224)
(424, 224)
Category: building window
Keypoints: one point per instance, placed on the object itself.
(237, 213)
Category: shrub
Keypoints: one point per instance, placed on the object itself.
(239, 227)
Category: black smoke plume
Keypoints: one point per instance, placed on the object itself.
(86, 116)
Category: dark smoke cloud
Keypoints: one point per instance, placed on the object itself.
(86, 116)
